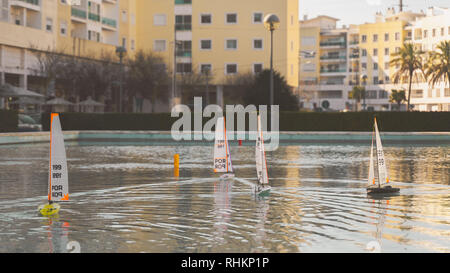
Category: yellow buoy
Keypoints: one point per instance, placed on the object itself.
(48, 209)
(176, 165)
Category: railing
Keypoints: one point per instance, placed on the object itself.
(78, 13)
(354, 42)
(354, 56)
(109, 22)
(33, 2)
(184, 53)
(332, 70)
(183, 27)
(183, 2)
(332, 44)
(94, 17)
(333, 57)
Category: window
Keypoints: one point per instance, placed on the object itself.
(257, 68)
(387, 79)
(231, 18)
(183, 2)
(375, 52)
(386, 52)
(442, 32)
(257, 44)
(375, 66)
(371, 94)
(397, 49)
(124, 42)
(364, 66)
(231, 69)
(183, 22)
(330, 94)
(257, 18)
(205, 68)
(364, 38)
(159, 19)
(231, 44)
(308, 67)
(375, 37)
(425, 33)
(375, 80)
(447, 92)
(184, 48)
(397, 36)
(159, 45)
(205, 19)
(184, 68)
(63, 28)
(308, 41)
(364, 52)
(386, 37)
(205, 44)
(434, 32)
(386, 66)
(417, 93)
(132, 44)
(438, 93)
(49, 25)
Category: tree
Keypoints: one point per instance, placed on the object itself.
(397, 96)
(48, 67)
(409, 60)
(258, 93)
(147, 77)
(358, 93)
(437, 68)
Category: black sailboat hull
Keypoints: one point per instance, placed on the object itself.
(382, 190)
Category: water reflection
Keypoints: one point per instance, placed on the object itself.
(125, 199)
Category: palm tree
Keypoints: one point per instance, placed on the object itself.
(438, 67)
(409, 61)
(357, 93)
(397, 96)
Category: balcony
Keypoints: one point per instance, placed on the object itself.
(109, 22)
(354, 42)
(354, 56)
(28, 4)
(333, 43)
(184, 53)
(333, 58)
(183, 2)
(78, 13)
(183, 27)
(333, 72)
(94, 17)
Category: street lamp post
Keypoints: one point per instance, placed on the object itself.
(206, 71)
(121, 52)
(271, 22)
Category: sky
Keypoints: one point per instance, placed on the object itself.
(360, 11)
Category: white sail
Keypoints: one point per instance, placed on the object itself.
(371, 179)
(260, 156)
(382, 171)
(58, 177)
(222, 160)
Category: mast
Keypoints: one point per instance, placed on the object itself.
(376, 148)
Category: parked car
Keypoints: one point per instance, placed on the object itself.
(28, 124)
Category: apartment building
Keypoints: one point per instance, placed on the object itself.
(360, 55)
(222, 37)
(77, 27)
(329, 62)
(427, 32)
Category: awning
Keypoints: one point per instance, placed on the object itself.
(90, 102)
(58, 101)
(8, 90)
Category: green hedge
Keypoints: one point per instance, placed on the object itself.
(289, 121)
(9, 121)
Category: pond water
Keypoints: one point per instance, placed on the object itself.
(124, 198)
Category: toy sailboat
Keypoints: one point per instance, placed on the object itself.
(58, 181)
(222, 156)
(263, 187)
(382, 187)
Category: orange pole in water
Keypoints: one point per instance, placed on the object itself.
(176, 165)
